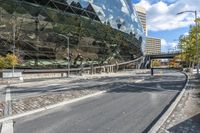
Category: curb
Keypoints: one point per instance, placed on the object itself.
(169, 111)
(55, 105)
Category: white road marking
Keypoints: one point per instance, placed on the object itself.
(7, 126)
(8, 96)
(138, 81)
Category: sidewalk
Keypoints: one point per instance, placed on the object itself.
(186, 116)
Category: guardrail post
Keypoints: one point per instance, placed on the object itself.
(117, 67)
(81, 71)
(95, 70)
(92, 69)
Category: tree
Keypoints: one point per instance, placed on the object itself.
(2, 62)
(156, 63)
(187, 44)
(10, 60)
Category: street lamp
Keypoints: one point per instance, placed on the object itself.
(68, 64)
(197, 45)
(13, 37)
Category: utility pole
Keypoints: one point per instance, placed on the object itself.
(14, 36)
(37, 39)
(68, 64)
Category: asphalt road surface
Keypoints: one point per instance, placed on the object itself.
(31, 89)
(129, 109)
(2, 92)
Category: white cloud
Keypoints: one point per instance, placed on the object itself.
(163, 42)
(168, 46)
(186, 34)
(162, 16)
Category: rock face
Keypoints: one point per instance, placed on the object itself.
(42, 29)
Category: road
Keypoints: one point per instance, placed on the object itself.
(131, 108)
(30, 89)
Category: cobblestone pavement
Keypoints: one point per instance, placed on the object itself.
(27, 104)
(1, 108)
(186, 116)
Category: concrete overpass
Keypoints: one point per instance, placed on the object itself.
(164, 55)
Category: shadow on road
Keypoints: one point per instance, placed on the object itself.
(191, 125)
(153, 84)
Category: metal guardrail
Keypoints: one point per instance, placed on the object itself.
(57, 73)
(91, 68)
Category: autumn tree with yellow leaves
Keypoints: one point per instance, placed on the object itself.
(8, 61)
(187, 44)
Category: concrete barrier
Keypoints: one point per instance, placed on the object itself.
(8, 76)
(60, 75)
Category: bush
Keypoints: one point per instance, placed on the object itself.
(2, 62)
(8, 61)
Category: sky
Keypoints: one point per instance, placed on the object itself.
(162, 21)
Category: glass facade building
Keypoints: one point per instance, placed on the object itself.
(99, 31)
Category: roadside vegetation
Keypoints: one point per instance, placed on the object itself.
(39, 43)
(187, 45)
(8, 61)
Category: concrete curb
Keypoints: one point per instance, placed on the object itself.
(169, 111)
(55, 105)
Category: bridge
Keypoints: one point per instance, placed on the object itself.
(164, 55)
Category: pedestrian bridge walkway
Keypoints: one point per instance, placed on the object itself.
(164, 55)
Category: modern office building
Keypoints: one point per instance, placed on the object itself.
(99, 31)
(153, 46)
(143, 17)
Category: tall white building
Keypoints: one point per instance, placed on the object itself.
(153, 45)
(143, 17)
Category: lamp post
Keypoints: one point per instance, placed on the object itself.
(13, 39)
(68, 64)
(197, 45)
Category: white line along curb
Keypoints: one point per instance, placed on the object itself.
(56, 105)
(166, 115)
(7, 126)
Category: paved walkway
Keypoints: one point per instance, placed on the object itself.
(186, 116)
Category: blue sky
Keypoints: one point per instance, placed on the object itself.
(163, 22)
